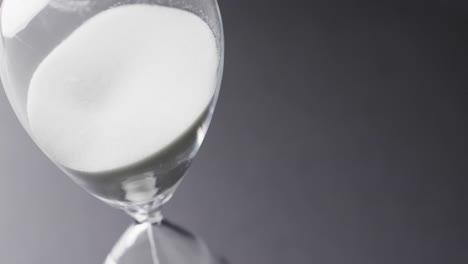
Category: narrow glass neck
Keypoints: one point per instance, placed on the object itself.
(150, 212)
(147, 213)
(154, 217)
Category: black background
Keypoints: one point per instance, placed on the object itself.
(340, 137)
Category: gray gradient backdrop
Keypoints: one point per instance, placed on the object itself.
(340, 137)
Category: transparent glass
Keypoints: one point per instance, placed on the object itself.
(31, 31)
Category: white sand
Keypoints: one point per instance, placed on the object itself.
(122, 87)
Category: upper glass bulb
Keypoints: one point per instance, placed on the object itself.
(118, 94)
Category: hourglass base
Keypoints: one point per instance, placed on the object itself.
(160, 243)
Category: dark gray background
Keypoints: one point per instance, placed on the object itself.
(340, 137)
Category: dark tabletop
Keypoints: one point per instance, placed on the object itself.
(340, 137)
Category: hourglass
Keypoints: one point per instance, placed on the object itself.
(119, 95)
